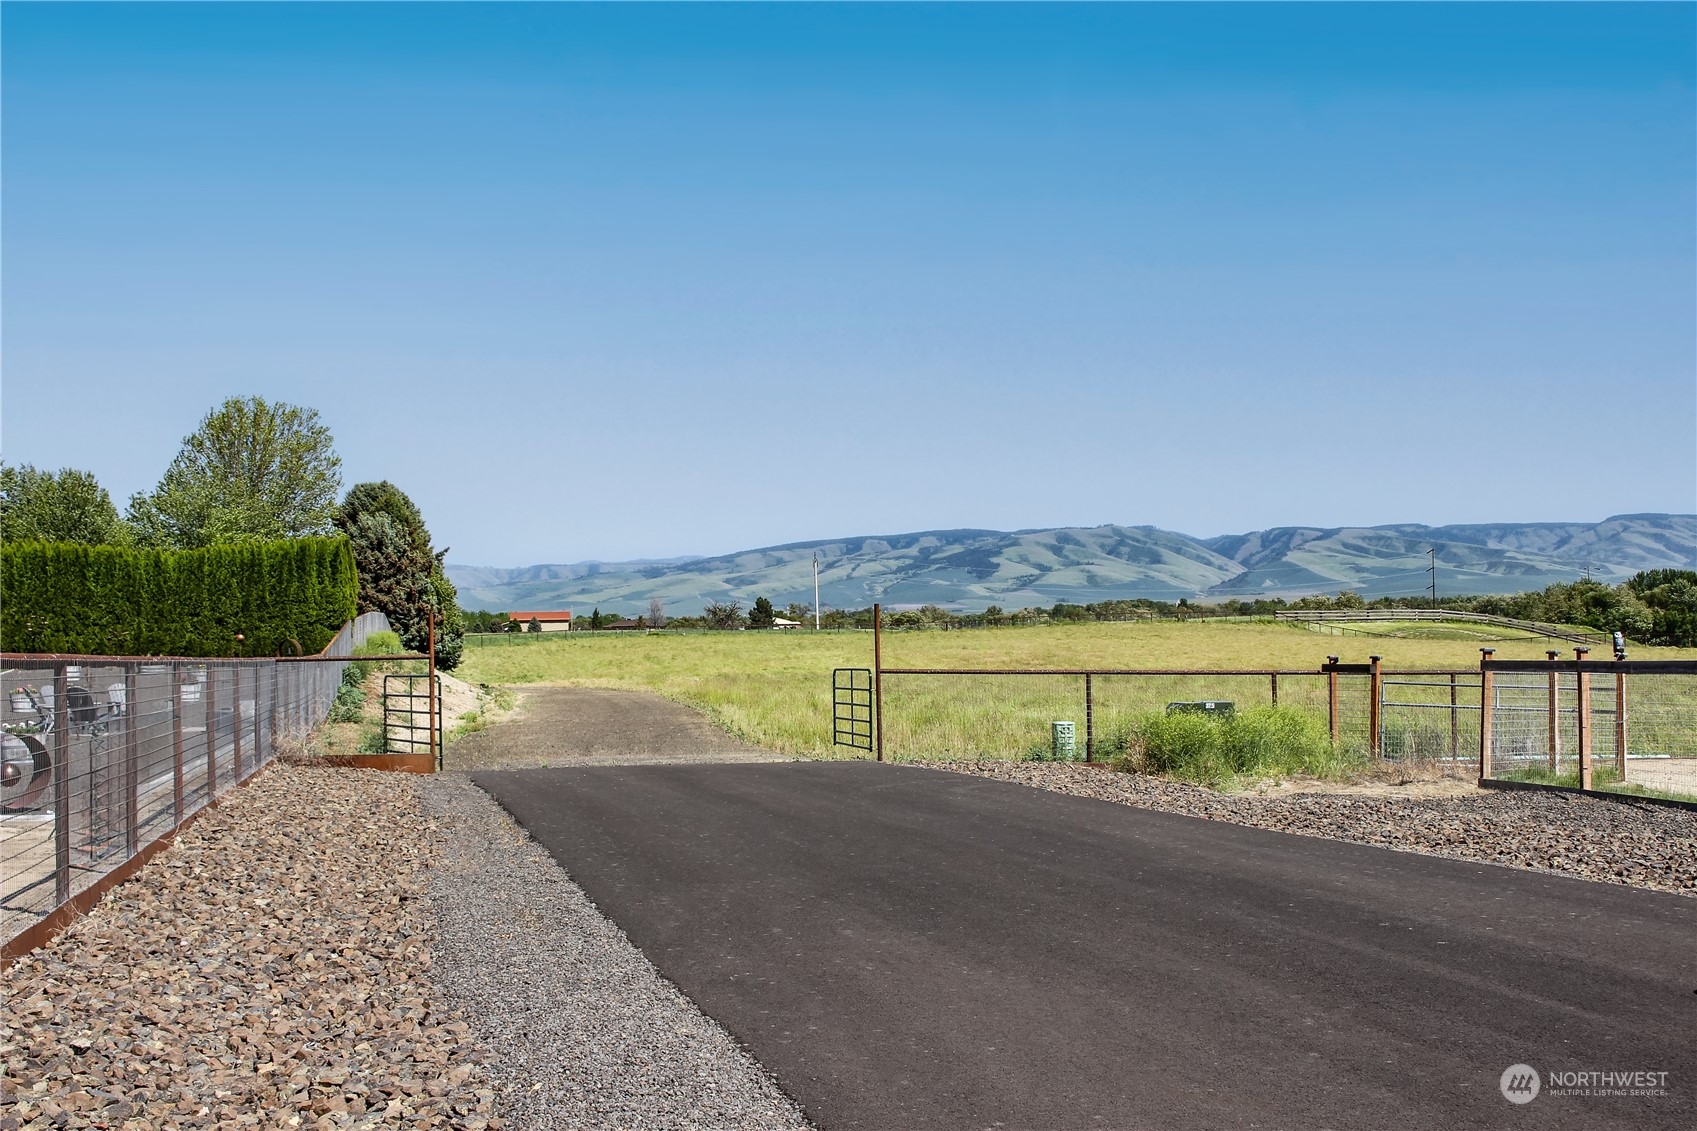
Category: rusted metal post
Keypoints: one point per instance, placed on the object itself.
(1274, 679)
(1555, 714)
(1487, 693)
(430, 687)
(236, 720)
(1455, 723)
(878, 680)
(176, 744)
(211, 698)
(132, 762)
(1620, 725)
(258, 749)
(1332, 699)
(1375, 706)
(61, 784)
(1582, 681)
(1089, 721)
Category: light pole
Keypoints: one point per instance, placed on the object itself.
(1434, 552)
(815, 592)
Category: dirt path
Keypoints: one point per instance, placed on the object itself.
(580, 726)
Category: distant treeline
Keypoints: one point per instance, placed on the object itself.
(1656, 606)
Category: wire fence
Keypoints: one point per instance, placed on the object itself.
(960, 713)
(104, 755)
(1634, 722)
(1625, 723)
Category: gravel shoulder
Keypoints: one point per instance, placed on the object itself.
(1618, 842)
(590, 1035)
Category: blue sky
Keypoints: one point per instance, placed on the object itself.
(609, 282)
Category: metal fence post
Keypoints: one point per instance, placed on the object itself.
(1487, 693)
(878, 679)
(1582, 681)
(236, 720)
(1274, 679)
(1555, 714)
(132, 762)
(1375, 706)
(1089, 721)
(176, 744)
(258, 750)
(1332, 699)
(1455, 723)
(1620, 725)
(61, 784)
(211, 698)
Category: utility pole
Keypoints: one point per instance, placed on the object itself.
(815, 592)
(1434, 552)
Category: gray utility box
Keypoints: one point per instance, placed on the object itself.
(1063, 742)
(1214, 708)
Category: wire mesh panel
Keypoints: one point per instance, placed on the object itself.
(100, 756)
(851, 708)
(965, 714)
(410, 726)
(1638, 721)
(976, 716)
(1430, 717)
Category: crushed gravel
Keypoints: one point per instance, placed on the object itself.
(271, 968)
(1618, 842)
(590, 1035)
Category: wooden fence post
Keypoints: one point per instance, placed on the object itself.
(1555, 714)
(1375, 707)
(1582, 690)
(1620, 725)
(1487, 692)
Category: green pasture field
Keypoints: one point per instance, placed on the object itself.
(773, 689)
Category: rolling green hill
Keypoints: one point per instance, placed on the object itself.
(971, 569)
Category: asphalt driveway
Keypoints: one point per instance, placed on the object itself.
(905, 948)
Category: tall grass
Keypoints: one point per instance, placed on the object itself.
(1262, 742)
(774, 688)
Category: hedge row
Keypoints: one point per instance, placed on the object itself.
(109, 600)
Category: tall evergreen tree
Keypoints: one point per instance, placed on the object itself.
(400, 574)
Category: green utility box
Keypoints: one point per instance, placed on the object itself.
(1213, 708)
(1063, 742)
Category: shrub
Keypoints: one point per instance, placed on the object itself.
(1259, 742)
(280, 597)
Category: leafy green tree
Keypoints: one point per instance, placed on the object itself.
(534, 625)
(400, 574)
(70, 506)
(762, 614)
(251, 471)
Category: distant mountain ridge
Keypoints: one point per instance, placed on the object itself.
(971, 569)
